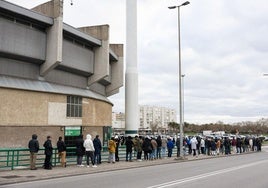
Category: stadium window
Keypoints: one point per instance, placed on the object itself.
(74, 106)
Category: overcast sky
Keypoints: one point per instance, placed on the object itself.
(224, 53)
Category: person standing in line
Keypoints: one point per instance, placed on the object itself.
(138, 147)
(147, 148)
(218, 146)
(234, 145)
(89, 147)
(164, 147)
(213, 147)
(117, 143)
(80, 150)
(33, 146)
(48, 152)
(61, 146)
(159, 147)
(170, 147)
(194, 146)
(112, 148)
(154, 148)
(98, 148)
(129, 146)
(202, 146)
(227, 146)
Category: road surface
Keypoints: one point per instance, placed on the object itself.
(240, 171)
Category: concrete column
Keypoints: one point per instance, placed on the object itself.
(117, 70)
(53, 9)
(131, 75)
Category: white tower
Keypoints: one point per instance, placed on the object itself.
(131, 75)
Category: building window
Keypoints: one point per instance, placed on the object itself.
(74, 106)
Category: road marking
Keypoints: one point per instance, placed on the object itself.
(193, 178)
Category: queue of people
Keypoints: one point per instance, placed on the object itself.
(152, 148)
(91, 149)
(221, 145)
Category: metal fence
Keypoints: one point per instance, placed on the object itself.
(17, 158)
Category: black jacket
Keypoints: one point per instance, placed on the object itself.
(48, 147)
(61, 146)
(97, 145)
(33, 144)
(80, 150)
(129, 145)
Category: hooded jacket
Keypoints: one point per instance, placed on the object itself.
(33, 144)
(112, 146)
(88, 144)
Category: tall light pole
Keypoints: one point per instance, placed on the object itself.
(182, 98)
(180, 77)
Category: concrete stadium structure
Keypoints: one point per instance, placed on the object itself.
(54, 78)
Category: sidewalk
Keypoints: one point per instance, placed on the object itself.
(24, 175)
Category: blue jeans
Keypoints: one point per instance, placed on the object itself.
(169, 152)
(158, 153)
(97, 158)
(164, 150)
(129, 154)
(153, 154)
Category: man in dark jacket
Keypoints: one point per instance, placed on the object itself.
(159, 147)
(33, 146)
(98, 148)
(80, 150)
(48, 152)
(61, 146)
(129, 146)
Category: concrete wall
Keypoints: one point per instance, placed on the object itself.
(66, 78)
(23, 113)
(18, 137)
(22, 40)
(77, 57)
(96, 113)
(22, 69)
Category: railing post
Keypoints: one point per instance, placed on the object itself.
(7, 158)
(55, 157)
(17, 158)
(12, 163)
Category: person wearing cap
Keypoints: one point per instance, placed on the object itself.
(33, 146)
(48, 152)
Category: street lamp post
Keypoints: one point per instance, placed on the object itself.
(182, 98)
(180, 77)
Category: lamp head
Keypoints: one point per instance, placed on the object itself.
(185, 3)
(172, 7)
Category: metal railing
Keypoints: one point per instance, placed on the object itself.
(17, 158)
